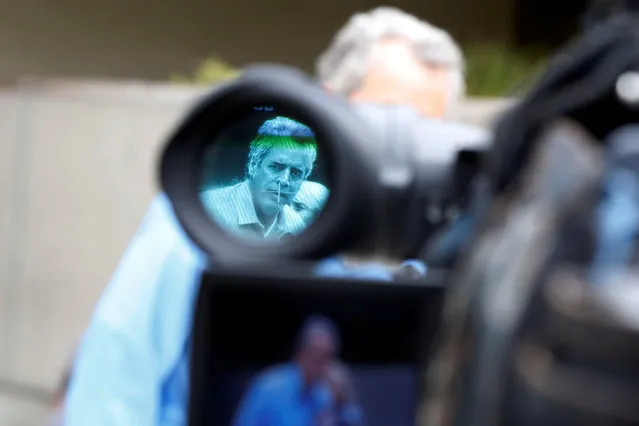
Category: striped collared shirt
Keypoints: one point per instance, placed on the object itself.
(233, 209)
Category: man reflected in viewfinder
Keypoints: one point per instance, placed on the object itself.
(281, 157)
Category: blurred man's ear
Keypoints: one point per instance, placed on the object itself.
(328, 88)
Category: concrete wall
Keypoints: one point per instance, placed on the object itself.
(132, 39)
(76, 173)
(77, 166)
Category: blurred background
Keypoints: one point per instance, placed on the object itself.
(88, 92)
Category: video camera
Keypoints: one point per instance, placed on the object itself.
(374, 180)
(270, 175)
(541, 326)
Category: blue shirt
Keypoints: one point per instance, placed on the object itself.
(131, 367)
(278, 398)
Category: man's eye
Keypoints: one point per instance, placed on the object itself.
(296, 173)
(277, 167)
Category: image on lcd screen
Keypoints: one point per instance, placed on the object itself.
(298, 365)
(264, 177)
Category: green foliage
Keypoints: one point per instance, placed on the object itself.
(496, 70)
(210, 71)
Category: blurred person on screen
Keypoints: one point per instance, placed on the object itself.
(296, 393)
(132, 366)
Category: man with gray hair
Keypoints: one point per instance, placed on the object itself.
(404, 76)
(281, 157)
(389, 56)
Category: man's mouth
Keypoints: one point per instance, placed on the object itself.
(283, 197)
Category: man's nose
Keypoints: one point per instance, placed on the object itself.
(285, 177)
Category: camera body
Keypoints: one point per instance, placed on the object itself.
(389, 173)
(272, 177)
(537, 328)
(247, 330)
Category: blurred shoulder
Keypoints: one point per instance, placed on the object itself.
(161, 228)
(158, 250)
(275, 378)
(159, 216)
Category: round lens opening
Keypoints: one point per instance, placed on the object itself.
(264, 177)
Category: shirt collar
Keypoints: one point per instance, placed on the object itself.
(285, 221)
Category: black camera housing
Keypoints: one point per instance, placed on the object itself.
(386, 200)
(381, 323)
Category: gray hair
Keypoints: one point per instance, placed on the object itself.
(343, 66)
(281, 132)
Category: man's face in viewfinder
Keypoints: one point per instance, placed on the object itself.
(278, 178)
(316, 356)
